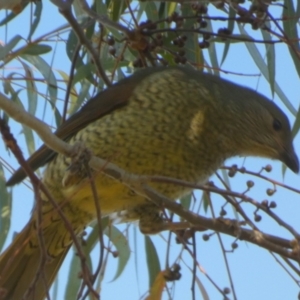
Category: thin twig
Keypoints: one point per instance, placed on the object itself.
(104, 20)
(70, 82)
(138, 184)
(66, 10)
(223, 252)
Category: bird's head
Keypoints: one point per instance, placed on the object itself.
(259, 127)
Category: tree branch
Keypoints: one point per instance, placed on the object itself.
(138, 184)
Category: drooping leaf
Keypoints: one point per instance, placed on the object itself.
(270, 52)
(37, 49)
(121, 244)
(5, 208)
(291, 18)
(152, 260)
(4, 50)
(28, 132)
(49, 77)
(31, 89)
(36, 20)
(212, 51)
(230, 27)
(186, 200)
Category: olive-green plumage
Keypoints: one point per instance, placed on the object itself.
(173, 122)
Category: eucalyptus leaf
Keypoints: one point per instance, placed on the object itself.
(152, 260)
(37, 18)
(212, 51)
(121, 244)
(31, 89)
(291, 18)
(230, 27)
(4, 50)
(37, 49)
(270, 52)
(49, 77)
(5, 208)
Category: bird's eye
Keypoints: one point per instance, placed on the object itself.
(277, 125)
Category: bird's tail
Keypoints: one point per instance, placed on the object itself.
(22, 273)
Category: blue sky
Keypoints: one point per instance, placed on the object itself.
(255, 273)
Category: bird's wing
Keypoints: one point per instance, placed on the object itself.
(103, 103)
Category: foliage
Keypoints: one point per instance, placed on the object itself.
(58, 68)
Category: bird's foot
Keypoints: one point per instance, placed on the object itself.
(77, 169)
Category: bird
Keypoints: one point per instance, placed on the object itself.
(168, 121)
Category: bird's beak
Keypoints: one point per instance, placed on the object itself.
(291, 160)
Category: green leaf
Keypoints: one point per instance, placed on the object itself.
(213, 53)
(298, 9)
(4, 50)
(136, 252)
(226, 178)
(235, 39)
(162, 10)
(46, 71)
(37, 17)
(11, 16)
(37, 49)
(192, 51)
(209, 70)
(49, 77)
(270, 50)
(290, 28)
(85, 72)
(230, 26)
(227, 182)
(93, 237)
(152, 260)
(73, 281)
(151, 11)
(78, 10)
(206, 202)
(28, 132)
(296, 125)
(31, 89)
(101, 8)
(172, 6)
(121, 244)
(140, 11)
(90, 29)
(186, 201)
(71, 45)
(81, 97)
(73, 94)
(117, 9)
(5, 208)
